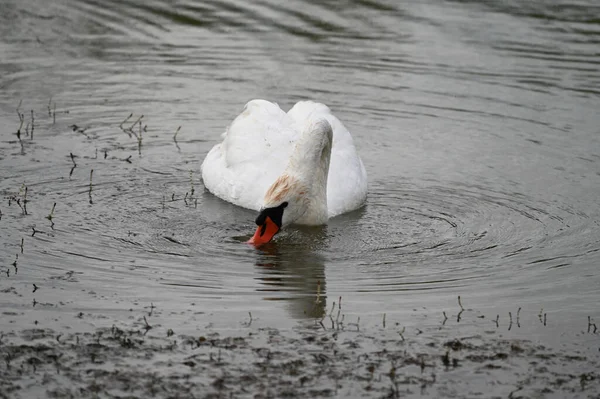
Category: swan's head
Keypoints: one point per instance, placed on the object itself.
(285, 202)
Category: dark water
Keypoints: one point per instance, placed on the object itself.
(478, 124)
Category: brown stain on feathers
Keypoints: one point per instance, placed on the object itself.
(281, 188)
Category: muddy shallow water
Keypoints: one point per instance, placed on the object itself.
(479, 128)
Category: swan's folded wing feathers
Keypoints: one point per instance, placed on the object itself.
(254, 152)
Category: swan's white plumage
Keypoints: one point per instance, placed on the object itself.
(255, 152)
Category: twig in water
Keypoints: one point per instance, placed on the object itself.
(35, 288)
(20, 115)
(384, 320)
(518, 314)
(135, 123)
(460, 304)
(51, 215)
(22, 241)
(496, 321)
(32, 124)
(139, 138)
(445, 317)
(540, 314)
(402, 333)
(126, 119)
(90, 192)
(148, 326)
(510, 321)
(592, 324)
(34, 231)
(175, 139)
(192, 183)
(318, 298)
(544, 319)
(25, 201)
(128, 159)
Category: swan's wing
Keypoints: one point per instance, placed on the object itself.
(253, 153)
(261, 132)
(347, 179)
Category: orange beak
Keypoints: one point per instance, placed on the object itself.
(264, 233)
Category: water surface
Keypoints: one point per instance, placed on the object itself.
(478, 125)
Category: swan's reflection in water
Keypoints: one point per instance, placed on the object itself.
(292, 270)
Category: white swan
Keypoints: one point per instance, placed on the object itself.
(300, 167)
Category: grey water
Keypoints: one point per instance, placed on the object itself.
(478, 123)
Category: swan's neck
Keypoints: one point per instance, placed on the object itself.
(310, 164)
